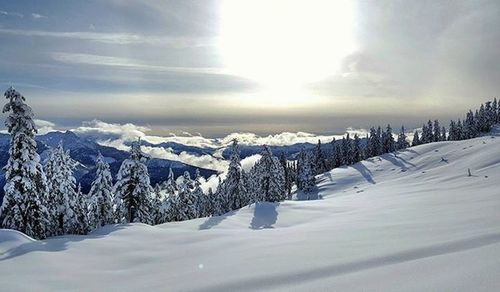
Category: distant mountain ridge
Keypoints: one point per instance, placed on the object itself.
(85, 151)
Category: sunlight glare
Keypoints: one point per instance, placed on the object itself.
(285, 42)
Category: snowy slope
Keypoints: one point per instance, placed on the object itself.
(408, 222)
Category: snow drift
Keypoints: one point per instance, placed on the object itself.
(413, 221)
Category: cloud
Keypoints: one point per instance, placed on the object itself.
(285, 138)
(97, 60)
(114, 38)
(38, 16)
(15, 14)
(100, 130)
(44, 126)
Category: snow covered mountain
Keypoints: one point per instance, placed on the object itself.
(85, 152)
(412, 221)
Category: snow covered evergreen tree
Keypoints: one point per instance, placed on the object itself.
(416, 139)
(401, 142)
(200, 199)
(170, 185)
(436, 132)
(101, 196)
(388, 144)
(470, 126)
(306, 178)
(356, 149)
(234, 185)
(157, 211)
(133, 190)
(24, 203)
(336, 154)
(346, 148)
(319, 159)
(218, 198)
(82, 212)
(443, 133)
(374, 143)
(62, 191)
(268, 178)
(427, 134)
(186, 207)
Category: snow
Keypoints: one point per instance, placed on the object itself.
(413, 221)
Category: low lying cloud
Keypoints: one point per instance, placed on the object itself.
(44, 126)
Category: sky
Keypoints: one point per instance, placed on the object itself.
(261, 66)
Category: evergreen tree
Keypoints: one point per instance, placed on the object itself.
(234, 185)
(157, 212)
(496, 110)
(101, 196)
(416, 139)
(82, 212)
(187, 205)
(218, 199)
(201, 200)
(470, 126)
(288, 173)
(437, 132)
(427, 135)
(356, 149)
(337, 158)
(319, 160)
(401, 142)
(133, 190)
(306, 178)
(443, 133)
(388, 144)
(210, 202)
(374, 143)
(62, 191)
(270, 178)
(170, 185)
(24, 202)
(346, 150)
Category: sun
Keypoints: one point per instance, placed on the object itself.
(285, 42)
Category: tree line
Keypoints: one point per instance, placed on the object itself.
(43, 199)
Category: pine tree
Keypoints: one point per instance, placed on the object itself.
(306, 178)
(416, 139)
(319, 159)
(388, 144)
(470, 129)
(186, 208)
(337, 158)
(460, 130)
(218, 199)
(133, 190)
(200, 198)
(443, 133)
(270, 178)
(427, 135)
(346, 150)
(437, 132)
(356, 149)
(170, 185)
(210, 202)
(236, 193)
(101, 196)
(374, 143)
(24, 203)
(62, 191)
(496, 110)
(401, 142)
(82, 212)
(288, 173)
(157, 211)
